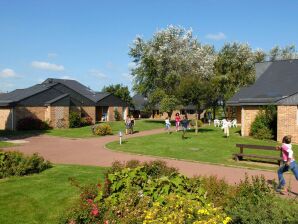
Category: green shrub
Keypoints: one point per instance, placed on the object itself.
(254, 202)
(265, 124)
(117, 115)
(30, 123)
(199, 123)
(74, 120)
(102, 129)
(85, 121)
(14, 163)
(177, 209)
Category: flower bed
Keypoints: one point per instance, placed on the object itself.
(154, 193)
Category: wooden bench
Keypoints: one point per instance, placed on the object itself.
(239, 156)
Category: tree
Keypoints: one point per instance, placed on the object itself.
(171, 56)
(279, 53)
(120, 91)
(234, 68)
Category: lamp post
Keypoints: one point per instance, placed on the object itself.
(120, 137)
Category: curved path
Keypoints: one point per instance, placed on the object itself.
(92, 151)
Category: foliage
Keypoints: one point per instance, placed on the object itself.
(86, 121)
(120, 91)
(13, 163)
(101, 129)
(117, 115)
(74, 120)
(30, 123)
(265, 124)
(254, 202)
(195, 122)
(168, 104)
(234, 68)
(181, 210)
(279, 53)
(167, 58)
(133, 195)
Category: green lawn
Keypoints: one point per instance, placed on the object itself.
(5, 144)
(209, 145)
(85, 132)
(42, 198)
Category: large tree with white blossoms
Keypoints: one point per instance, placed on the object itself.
(169, 64)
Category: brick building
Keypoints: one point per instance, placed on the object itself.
(276, 84)
(52, 101)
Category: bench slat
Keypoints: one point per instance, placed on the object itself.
(256, 147)
(257, 156)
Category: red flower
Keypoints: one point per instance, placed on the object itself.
(106, 222)
(95, 212)
(90, 201)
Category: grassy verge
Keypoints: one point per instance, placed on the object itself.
(209, 145)
(85, 132)
(42, 198)
(5, 144)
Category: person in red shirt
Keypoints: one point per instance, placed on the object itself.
(177, 121)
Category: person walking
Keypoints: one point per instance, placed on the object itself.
(127, 124)
(168, 124)
(288, 163)
(184, 124)
(132, 124)
(177, 121)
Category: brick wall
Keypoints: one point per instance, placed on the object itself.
(111, 113)
(89, 111)
(248, 115)
(5, 119)
(35, 112)
(287, 122)
(59, 116)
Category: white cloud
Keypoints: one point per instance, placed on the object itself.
(127, 76)
(7, 73)
(67, 77)
(218, 36)
(98, 74)
(47, 66)
(52, 55)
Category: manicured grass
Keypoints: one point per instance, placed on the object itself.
(209, 145)
(85, 132)
(42, 198)
(5, 144)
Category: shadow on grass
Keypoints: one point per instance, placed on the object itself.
(15, 135)
(201, 130)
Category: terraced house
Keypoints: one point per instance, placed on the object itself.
(54, 99)
(276, 84)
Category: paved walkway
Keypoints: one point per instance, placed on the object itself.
(92, 151)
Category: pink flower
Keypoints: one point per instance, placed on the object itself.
(95, 212)
(106, 222)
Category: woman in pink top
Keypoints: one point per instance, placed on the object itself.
(288, 162)
(177, 121)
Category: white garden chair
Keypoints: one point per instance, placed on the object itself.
(234, 123)
(216, 123)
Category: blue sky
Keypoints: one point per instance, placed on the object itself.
(89, 40)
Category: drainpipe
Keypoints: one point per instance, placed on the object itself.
(12, 119)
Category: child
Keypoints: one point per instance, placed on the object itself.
(177, 121)
(288, 163)
(184, 124)
(127, 125)
(168, 124)
(132, 124)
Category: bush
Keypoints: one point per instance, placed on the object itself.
(74, 120)
(86, 121)
(101, 129)
(265, 124)
(199, 123)
(30, 123)
(117, 115)
(14, 163)
(136, 192)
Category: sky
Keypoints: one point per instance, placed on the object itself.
(89, 40)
